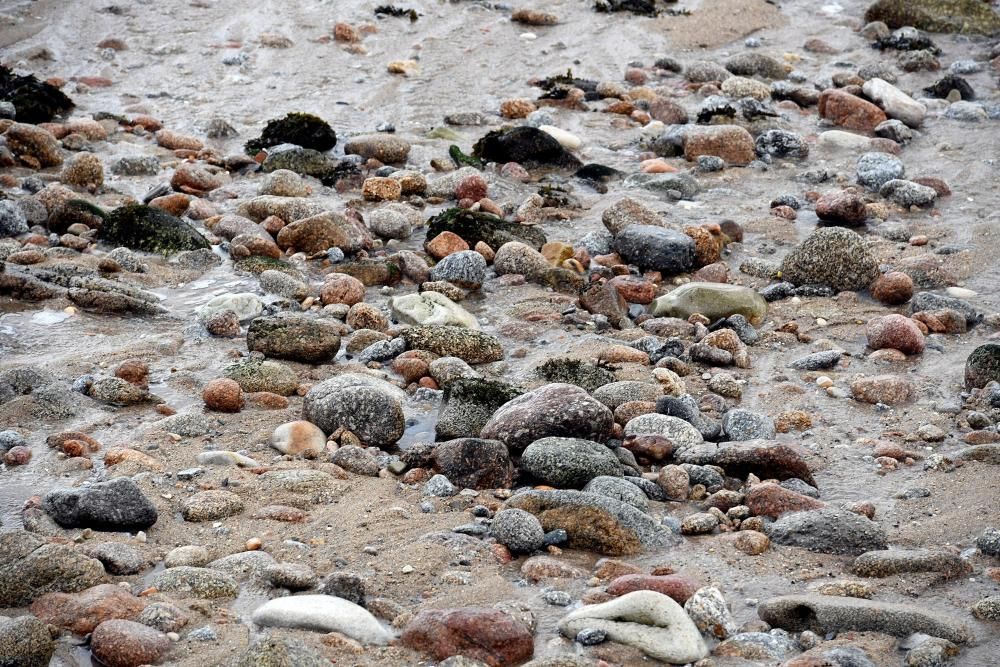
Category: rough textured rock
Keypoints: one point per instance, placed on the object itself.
(121, 643)
(474, 347)
(831, 256)
(118, 505)
(961, 16)
(30, 568)
(473, 463)
(828, 530)
(295, 338)
(25, 642)
(568, 462)
(488, 635)
(368, 407)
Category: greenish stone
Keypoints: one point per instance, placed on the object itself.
(713, 300)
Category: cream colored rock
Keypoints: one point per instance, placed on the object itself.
(323, 613)
(895, 102)
(646, 620)
(299, 437)
(566, 139)
(431, 308)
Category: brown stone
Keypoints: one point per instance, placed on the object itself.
(134, 371)
(752, 542)
(223, 395)
(842, 207)
(849, 111)
(487, 635)
(537, 568)
(730, 142)
(677, 586)
(121, 643)
(445, 244)
(175, 141)
(770, 500)
(81, 612)
(888, 389)
(893, 288)
(634, 289)
(342, 288)
(896, 332)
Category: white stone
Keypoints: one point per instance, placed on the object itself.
(224, 458)
(246, 306)
(299, 437)
(960, 292)
(895, 102)
(566, 139)
(323, 613)
(431, 308)
(708, 610)
(647, 620)
(840, 140)
(675, 429)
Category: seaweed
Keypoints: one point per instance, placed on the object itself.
(475, 226)
(461, 159)
(596, 172)
(558, 87)
(398, 12)
(34, 101)
(145, 228)
(525, 145)
(301, 129)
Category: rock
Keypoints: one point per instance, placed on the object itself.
(474, 347)
(84, 170)
(80, 613)
(679, 432)
(121, 643)
(893, 288)
(30, 568)
(752, 542)
(936, 302)
(730, 142)
(199, 582)
(907, 193)
(554, 410)
(358, 460)
(774, 645)
(223, 395)
(842, 208)
(118, 505)
(283, 285)
(713, 300)
(25, 642)
(295, 338)
(646, 620)
(876, 169)
(983, 366)
(466, 269)
(346, 585)
(440, 487)
(431, 309)
(390, 223)
(519, 258)
(368, 407)
(187, 556)
(781, 144)
(293, 576)
(988, 608)
(211, 505)
(831, 256)
(13, 222)
(118, 559)
(678, 587)
(823, 614)
(886, 389)
(245, 306)
(593, 521)
(272, 651)
(849, 111)
(475, 226)
(149, 229)
(323, 613)
(526, 145)
(989, 542)
(770, 500)
(299, 438)
(568, 462)
(472, 463)
(488, 635)
(828, 530)
(708, 609)
(341, 288)
(518, 530)
(321, 232)
(289, 209)
(896, 332)
(301, 129)
(959, 16)
(898, 561)
(656, 248)
(255, 375)
(896, 103)
(34, 143)
(626, 212)
(385, 148)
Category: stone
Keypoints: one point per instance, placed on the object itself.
(740, 424)
(677, 431)
(908, 193)
(626, 212)
(34, 143)
(730, 142)
(474, 347)
(199, 582)
(832, 256)
(713, 300)
(473, 463)
(358, 460)
(568, 462)
(431, 309)
(299, 438)
(828, 530)
(896, 332)
(895, 102)
(554, 410)
(466, 269)
(118, 505)
(270, 651)
(211, 505)
(295, 338)
(517, 530)
(187, 556)
(244, 305)
(368, 407)
(341, 288)
(842, 208)
(678, 587)
(893, 288)
(823, 614)
(593, 522)
(958, 16)
(293, 576)
(520, 259)
(618, 488)
(898, 561)
(526, 145)
(751, 542)
(488, 635)
(646, 620)
(122, 643)
(321, 232)
(81, 612)
(710, 613)
(84, 170)
(987, 608)
(875, 169)
(223, 395)
(658, 248)
(849, 111)
(256, 375)
(117, 558)
(886, 389)
(982, 366)
(781, 144)
(439, 486)
(770, 500)
(385, 148)
(25, 642)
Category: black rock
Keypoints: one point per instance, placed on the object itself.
(948, 83)
(983, 366)
(301, 129)
(643, 7)
(34, 101)
(781, 143)
(476, 226)
(346, 585)
(777, 291)
(817, 361)
(118, 505)
(526, 145)
(658, 248)
(140, 227)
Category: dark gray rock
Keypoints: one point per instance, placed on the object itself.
(118, 505)
(25, 642)
(876, 169)
(30, 568)
(740, 425)
(472, 463)
(657, 248)
(831, 256)
(466, 269)
(270, 651)
(817, 361)
(619, 488)
(468, 405)
(518, 530)
(368, 407)
(568, 462)
(829, 530)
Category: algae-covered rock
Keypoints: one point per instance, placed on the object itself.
(713, 300)
(525, 145)
(831, 256)
(583, 374)
(301, 129)
(476, 226)
(961, 16)
(34, 101)
(468, 405)
(294, 337)
(140, 227)
(258, 375)
(474, 347)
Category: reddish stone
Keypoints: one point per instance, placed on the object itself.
(272, 224)
(194, 179)
(634, 289)
(888, 389)
(716, 272)
(730, 142)
(95, 81)
(174, 141)
(134, 371)
(610, 568)
(651, 447)
(537, 568)
(120, 643)
(81, 612)
(488, 635)
(849, 111)
(952, 321)
(17, 456)
(981, 437)
(893, 288)
(174, 204)
(843, 207)
(936, 184)
(223, 395)
(147, 123)
(769, 499)
(268, 400)
(752, 542)
(445, 244)
(472, 187)
(668, 112)
(411, 369)
(342, 288)
(895, 332)
(677, 586)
